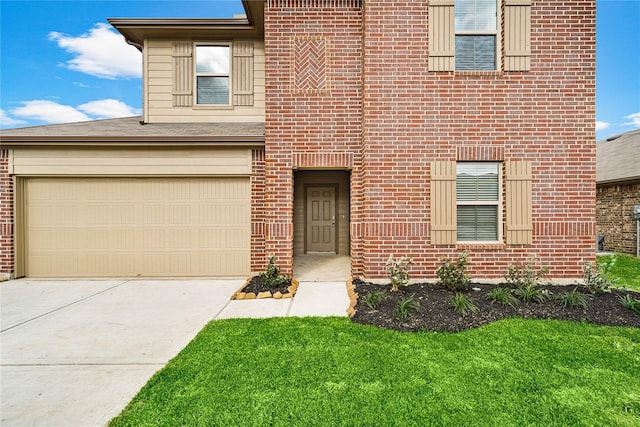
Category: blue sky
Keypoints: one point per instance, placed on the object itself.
(61, 62)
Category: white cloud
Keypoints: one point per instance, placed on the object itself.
(49, 111)
(602, 125)
(53, 112)
(101, 52)
(635, 119)
(108, 109)
(6, 120)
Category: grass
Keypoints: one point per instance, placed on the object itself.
(626, 270)
(312, 372)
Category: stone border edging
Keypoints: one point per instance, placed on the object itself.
(239, 295)
(353, 298)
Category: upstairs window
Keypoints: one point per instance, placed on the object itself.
(476, 30)
(478, 195)
(213, 74)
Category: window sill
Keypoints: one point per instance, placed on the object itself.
(478, 73)
(213, 107)
(480, 245)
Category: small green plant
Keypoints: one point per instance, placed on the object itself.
(463, 304)
(597, 279)
(406, 308)
(573, 298)
(373, 299)
(503, 296)
(530, 293)
(454, 275)
(525, 275)
(272, 277)
(632, 304)
(398, 272)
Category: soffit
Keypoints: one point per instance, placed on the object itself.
(136, 30)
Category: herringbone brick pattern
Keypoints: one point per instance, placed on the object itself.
(310, 65)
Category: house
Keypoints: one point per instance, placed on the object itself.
(618, 191)
(362, 128)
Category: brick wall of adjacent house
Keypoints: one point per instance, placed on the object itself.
(6, 217)
(383, 106)
(614, 216)
(413, 116)
(313, 106)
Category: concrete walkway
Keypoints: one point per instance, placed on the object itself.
(74, 353)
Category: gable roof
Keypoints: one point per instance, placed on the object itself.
(618, 159)
(130, 131)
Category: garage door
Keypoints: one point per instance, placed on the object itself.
(129, 227)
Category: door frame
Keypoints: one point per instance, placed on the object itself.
(335, 210)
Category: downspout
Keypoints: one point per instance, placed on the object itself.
(141, 49)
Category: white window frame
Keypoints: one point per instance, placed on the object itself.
(497, 33)
(196, 74)
(498, 203)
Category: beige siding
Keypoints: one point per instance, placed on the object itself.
(517, 34)
(130, 227)
(443, 203)
(519, 227)
(339, 178)
(32, 162)
(441, 35)
(164, 91)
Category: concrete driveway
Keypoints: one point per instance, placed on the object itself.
(74, 353)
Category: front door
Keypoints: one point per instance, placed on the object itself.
(321, 219)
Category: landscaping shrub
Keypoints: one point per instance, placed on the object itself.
(272, 277)
(454, 275)
(597, 279)
(398, 272)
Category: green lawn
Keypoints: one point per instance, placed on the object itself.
(626, 269)
(311, 372)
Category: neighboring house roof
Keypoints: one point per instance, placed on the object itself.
(129, 130)
(618, 158)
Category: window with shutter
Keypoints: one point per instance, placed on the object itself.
(478, 200)
(466, 35)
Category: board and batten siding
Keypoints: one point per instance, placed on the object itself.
(167, 102)
(130, 162)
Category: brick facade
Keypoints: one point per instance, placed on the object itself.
(6, 217)
(348, 87)
(614, 216)
(379, 102)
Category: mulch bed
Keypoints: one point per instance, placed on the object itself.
(255, 289)
(437, 314)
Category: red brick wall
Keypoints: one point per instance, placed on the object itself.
(377, 100)
(413, 116)
(314, 116)
(6, 216)
(258, 257)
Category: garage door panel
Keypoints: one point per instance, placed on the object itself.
(126, 227)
